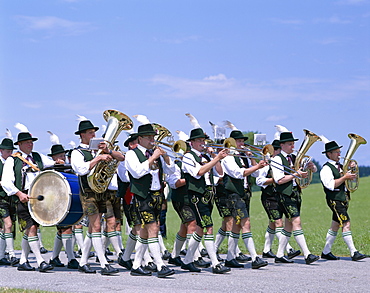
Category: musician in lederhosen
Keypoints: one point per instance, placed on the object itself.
(337, 199)
(200, 186)
(290, 198)
(63, 236)
(93, 204)
(20, 169)
(237, 186)
(8, 213)
(146, 167)
(274, 211)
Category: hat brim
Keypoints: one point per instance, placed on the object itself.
(240, 137)
(147, 133)
(198, 136)
(131, 138)
(289, 139)
(33, 139)
(332, 149)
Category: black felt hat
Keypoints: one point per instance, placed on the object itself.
(22, 136)
(85, 125)
(57, 149)
(276, 144)
(131, 138)
(287, 136)
(146, 129)
(331, 146)
(237, 134)
(7, 144)
(197, 133)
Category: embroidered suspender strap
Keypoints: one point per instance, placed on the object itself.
(18, 155)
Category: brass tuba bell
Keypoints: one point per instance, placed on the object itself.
(102, 173)
(351, 165)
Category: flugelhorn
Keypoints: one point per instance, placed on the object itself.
(102, 173)
(177, 150)
(351, 165)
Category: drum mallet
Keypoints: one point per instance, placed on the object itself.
(40, 197)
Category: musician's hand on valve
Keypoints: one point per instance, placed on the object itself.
(105, 157)
(103, 146)
(302, 174)
(312, 166)
(350, 176)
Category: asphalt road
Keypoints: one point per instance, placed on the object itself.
(343, 275)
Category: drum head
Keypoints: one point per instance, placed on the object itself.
(56, 191)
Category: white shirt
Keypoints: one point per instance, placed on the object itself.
(277, 170)
(8, 177)
(174, 177)
(138, 170)
(262, 177)
(232, 169)
(122, 171)
(194, 167)
(79, 166)
(327, 176)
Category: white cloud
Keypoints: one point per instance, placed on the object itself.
(216, 77)
(52, 24)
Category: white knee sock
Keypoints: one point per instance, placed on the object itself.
(330, 238)
(301, 240)
(249, 244)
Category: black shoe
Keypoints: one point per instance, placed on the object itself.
(73, 264)
(151, 267)
(140, 272)
(233, 264)
(220, 269)
(107, 259)
(201, 263)
(109, 270)
(165, 272)
(175, 261)
(4, 262)
(108, 252)
(14, 261)
(56, 262)
(293, 253)
(86, 269)
(25, 267)
(45, 267)
(77, 255)
(166, 255)
(243, 258)
(329, 256)
(184, 251)
(259, 263)
(190, 267)
(283, 259)
(357, 256)
(43, 250)
(219, 258)
(268, 254)
(91, 254)
(311, 258)
(125, 263)
(204, 253)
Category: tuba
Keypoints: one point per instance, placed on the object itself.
(102, 173)
(302, 159)
(162, 133)
(351, 165)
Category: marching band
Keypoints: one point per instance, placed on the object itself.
(101, 183)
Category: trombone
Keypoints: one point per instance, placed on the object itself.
(177, 150)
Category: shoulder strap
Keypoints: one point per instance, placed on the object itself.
(19, 156)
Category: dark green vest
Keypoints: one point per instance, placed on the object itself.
(269, 190)
(339, 193)
(286, 188)
(180, 194)
(87, 157)
(142, 185)
(197, 185)
(233, 185)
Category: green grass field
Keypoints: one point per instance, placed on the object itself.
(315, 217)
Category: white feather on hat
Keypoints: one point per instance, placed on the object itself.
(53, 138)
(324, 139)
(280, 129)
(8, 134)
(141, 119)
(228, 124)
(21, 127)
(182, 135)
(81, 118)
(193, 121)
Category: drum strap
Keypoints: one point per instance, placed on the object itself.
(19, 155)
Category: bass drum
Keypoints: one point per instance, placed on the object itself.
(61, 204)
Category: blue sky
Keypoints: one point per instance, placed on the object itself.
(300, 64)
